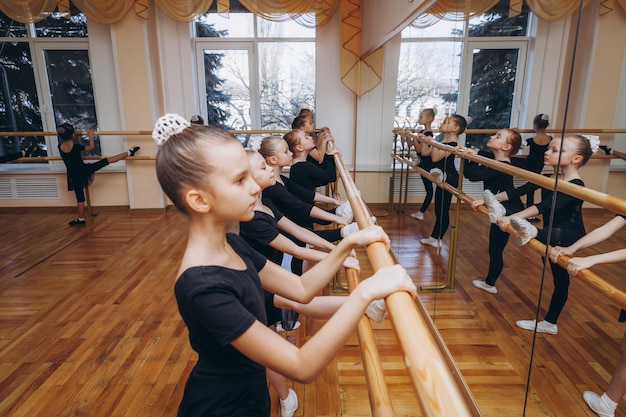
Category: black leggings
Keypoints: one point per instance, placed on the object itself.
(497, 242)
(443, 200)
(560, 237)
(428, 186)
(79, 182)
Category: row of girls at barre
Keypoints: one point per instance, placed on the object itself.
(567, 235)
(231, 289)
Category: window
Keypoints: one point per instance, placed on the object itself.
(473, 68)
(45, 80)
(253, 73)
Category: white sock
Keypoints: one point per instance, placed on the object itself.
(609, 403)
(81, 218)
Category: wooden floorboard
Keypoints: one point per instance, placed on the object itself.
(89, 325)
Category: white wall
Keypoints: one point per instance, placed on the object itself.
(335, 104)
(382, 20)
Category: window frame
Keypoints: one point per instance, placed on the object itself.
(251, 44)
(522, 43)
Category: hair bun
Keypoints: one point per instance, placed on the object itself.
(594, 142)
(168, 125)
(65, 130)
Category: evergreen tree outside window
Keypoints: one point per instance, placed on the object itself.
(256, 73)
(66, 69)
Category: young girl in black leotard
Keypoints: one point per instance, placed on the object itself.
(503, 144)
(567, 225)
(537, 145)
(219, 290)
(306, 121)
(426, 118)
(298, 203)
(309, 175)
(262, 234)
(443, 161)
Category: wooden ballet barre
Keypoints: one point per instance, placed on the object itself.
(607, 201)
(84, 133)
(85, 158)
(590, 278)
(437, 381)
(135, 133)
(557, 131)
(283, 131)
(380, 401)
(609, 290)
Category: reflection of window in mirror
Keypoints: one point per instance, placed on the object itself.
(485, 84)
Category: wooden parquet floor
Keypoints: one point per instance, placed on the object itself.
(89, 325)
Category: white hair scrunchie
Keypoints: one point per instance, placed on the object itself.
(168, 125)
(545, 117)
(594, 142)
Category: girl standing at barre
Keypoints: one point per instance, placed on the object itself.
(219, 290)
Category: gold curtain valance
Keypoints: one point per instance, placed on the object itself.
(543, 9)
(310, 13)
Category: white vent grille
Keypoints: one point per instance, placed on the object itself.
(416, 187)
(6, 190)
(29, 188)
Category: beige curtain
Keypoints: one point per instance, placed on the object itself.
(309, 13)
(105, 12)
(27, 11)
(183, 10)
(544, 9)
(110, 11)
(554, 9)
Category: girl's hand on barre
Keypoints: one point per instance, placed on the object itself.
(558, 251)
(477, 203)
(575, 265)
(327, 137)
(333, 151)
(503, 222)
(386, 281)
(368, 236)
(468, 151)
(352, 263)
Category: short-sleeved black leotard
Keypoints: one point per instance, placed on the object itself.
(568, 213)
(262, 230)
(426, 161)
(74, 164)
(311, 175)
(218, 305)
(292, 207)
(493, 180)
(447, 166)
